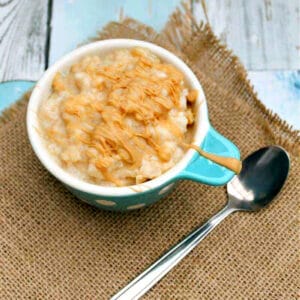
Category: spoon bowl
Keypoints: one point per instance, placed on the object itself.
(262, 177)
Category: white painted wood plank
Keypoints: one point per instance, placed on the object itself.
(23, 34)
(264, 34)
(74, 21)
(280, 92)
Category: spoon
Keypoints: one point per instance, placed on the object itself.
(262, 177)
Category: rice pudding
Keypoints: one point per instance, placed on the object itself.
(119, 119)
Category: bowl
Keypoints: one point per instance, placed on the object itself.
(191, 167)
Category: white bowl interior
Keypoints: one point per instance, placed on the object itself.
(43, 89)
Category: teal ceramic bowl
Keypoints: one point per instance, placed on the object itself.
(191, 167)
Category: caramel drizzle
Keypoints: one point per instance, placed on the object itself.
(230, 163)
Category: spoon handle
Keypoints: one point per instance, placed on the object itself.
(141, 284)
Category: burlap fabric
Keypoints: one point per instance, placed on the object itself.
(56, 247)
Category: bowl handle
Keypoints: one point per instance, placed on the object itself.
(205, 171)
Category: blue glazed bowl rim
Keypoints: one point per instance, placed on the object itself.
(43, 88)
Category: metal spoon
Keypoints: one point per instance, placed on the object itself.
(262, 177)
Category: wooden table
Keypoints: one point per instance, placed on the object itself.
(264, 34)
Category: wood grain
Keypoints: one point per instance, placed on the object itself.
(264, 34)
(23, 36)
(74, 21)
